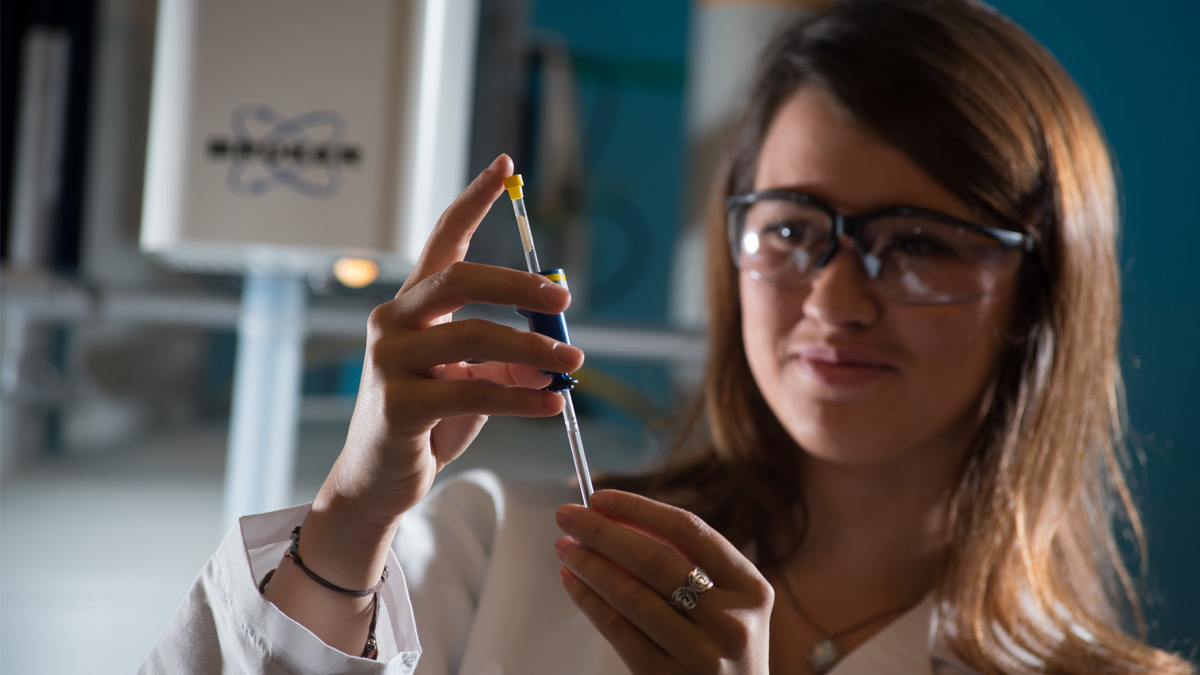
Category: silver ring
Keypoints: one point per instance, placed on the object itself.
(687, 596)
(698, 581)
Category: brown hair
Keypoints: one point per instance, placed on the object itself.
(1032, 578)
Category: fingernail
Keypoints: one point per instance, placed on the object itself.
(551, 400)
(554, 293)
(563, 546)
(567, 515)
(602, 500)
(565, 355)
(566, 576)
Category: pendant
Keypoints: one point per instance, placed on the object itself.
(822, 657)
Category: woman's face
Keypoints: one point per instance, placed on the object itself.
(854, 378)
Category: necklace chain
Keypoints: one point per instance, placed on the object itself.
(826, 652)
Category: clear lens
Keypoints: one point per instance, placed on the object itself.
(920, 260)
(929, 261)
(779, 239)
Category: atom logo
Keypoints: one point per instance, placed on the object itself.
(268, 151)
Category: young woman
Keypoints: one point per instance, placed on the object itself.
(910, 429)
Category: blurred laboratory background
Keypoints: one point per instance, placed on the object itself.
(183, 312)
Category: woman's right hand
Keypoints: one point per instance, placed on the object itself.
(428, 385)
(429, 382)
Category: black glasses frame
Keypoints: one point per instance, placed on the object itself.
(853, 226)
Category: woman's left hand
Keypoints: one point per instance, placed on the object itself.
(623, 559)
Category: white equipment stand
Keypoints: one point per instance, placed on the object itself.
(266, 396)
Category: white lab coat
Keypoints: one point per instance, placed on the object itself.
(475, 569)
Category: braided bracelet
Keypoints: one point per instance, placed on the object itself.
(371, 650)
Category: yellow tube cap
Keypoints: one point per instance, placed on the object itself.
(513, 184)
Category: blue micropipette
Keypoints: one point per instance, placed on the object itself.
(554, 326)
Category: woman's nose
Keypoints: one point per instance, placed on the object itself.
(840, 293)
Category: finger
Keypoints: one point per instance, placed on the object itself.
(478, 340)
(655, 564)
(513, 374)
(685, 532)
(638, 652)
(640, 604)
(451, 235)
(442, 399)
(447, 290)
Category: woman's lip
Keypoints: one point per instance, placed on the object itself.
(842, 375)
(841, 357)
(835, 366)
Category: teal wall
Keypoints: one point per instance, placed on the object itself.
(630, 62)
(629, 59)
(1139, 63)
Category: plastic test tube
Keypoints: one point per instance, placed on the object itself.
(553, 326)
